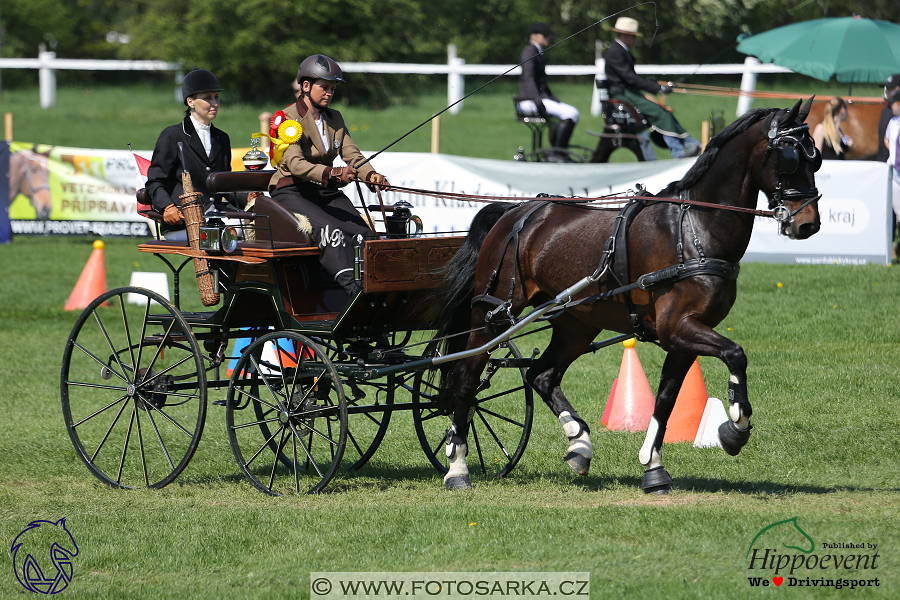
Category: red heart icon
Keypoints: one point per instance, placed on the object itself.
(778, 580)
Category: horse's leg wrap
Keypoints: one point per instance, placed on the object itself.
(735, 433)
(656, 479)
(457, 477)
(580, 451)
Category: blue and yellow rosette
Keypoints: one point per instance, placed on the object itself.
(289, 131)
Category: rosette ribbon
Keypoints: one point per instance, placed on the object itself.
(282, 133)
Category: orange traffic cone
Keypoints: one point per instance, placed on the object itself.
(633, 401)
(689, 406)
(604, 420)
(91, 282)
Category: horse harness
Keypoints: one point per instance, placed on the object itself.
(782, 144)
(615, 261)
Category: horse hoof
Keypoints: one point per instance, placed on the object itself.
(578, 462)
(459, 482)
(656, 481)
(731, 438)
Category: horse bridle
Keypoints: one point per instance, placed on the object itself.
(783, 144)
(29, 174)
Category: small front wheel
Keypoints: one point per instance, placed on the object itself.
(286, 415)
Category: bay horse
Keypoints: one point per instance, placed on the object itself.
(690, 238)
(29, 175)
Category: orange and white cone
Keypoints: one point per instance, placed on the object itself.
(633, 401)
(92, 281)
(689, 406)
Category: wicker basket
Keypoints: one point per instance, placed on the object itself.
(193, 218)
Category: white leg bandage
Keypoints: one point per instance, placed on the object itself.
(579, 439)
(649, 454)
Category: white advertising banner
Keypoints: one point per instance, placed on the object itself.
(57, 190)
(855, 208)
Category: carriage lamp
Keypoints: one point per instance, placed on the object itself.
(216, 237)
(255, 159)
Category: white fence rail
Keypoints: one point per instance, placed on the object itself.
(456, 70)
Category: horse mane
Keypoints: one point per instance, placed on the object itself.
(709, 155)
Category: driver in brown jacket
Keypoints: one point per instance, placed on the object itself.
(305, 181)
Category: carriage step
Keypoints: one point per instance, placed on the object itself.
(512, 362)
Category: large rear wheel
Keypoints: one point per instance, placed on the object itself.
(499, 423)
(133, 389)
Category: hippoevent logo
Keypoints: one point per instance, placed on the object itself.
(42, 556)
(783, 554)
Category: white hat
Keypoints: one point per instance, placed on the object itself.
(627, 25)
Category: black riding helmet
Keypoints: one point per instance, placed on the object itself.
(197, 82)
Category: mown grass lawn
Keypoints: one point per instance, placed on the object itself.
(823, 380)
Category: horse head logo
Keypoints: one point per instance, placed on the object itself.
(787, 531)
(30, 562)
(29, 175)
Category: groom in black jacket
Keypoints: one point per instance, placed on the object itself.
(626, 85)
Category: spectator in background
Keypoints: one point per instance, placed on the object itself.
(535, 97)
(830, 139)
(892, 143)
(891, 86)
(628, 86)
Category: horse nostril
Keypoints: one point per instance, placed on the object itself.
(806, 230)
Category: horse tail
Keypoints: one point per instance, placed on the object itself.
(458, 286)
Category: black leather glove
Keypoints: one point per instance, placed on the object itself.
(665, 89)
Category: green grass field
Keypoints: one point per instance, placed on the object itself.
(823, 380)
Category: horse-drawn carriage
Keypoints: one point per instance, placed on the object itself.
(314, 382)
(312, 377)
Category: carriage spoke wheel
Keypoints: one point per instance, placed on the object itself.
(499, 424)
(368, 412)
(133, 389)
(286, 415)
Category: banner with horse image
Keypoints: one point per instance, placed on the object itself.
(56, 190)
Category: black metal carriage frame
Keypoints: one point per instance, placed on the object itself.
(622, 125)
(311, 385)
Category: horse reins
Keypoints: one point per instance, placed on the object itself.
(597, 202)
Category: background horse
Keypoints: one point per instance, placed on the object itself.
(861, 125)
(29, 175)
(536, 250)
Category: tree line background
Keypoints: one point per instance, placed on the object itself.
(255, 46)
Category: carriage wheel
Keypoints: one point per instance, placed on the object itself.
(367, 412)
(606, 147)
(286, 415)
(500, 423)
(133, 388)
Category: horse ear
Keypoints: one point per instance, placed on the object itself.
(804, 112)
(792, 114)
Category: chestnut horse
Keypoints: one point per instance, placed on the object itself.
(29, 175)
(861, 125)
(536, 250)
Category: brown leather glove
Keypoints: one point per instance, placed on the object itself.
(172, 215)
(377, 180)
(343, 174)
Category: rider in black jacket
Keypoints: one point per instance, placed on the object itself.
(206, 149)
(626, 85)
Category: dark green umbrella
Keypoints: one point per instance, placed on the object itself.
(853, 49)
